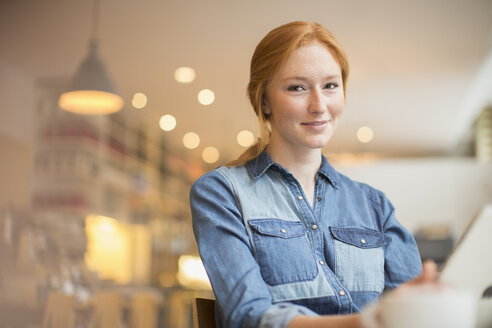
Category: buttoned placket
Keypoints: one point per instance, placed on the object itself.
(311, 217)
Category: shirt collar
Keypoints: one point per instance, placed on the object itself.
(259, 165)
(329, 172)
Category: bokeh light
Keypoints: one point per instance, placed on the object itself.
(139, 100)
(245, 138)
(184, 74)
(365, 134)
(191, 140)
(210, 155)
(167, 122)
(206, 97)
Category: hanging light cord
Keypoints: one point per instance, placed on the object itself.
(95, 19)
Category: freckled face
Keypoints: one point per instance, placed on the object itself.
(305, 99)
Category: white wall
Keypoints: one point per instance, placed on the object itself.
(428, 191)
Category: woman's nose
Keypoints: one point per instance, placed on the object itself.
(316, 102)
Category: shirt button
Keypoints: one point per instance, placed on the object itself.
(318, 199)
(283, 230)
(341, 293)
(321, 262)
(299, 197)
(314, 227)
(363, 241)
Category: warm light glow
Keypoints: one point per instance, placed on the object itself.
(139, 100)
(90, 102)
(365, 134)
(106, 224)
(107, 248)
(245, 138)
(167, 122)
(206, 97)
(191, 272)
(116, 250)
(184, 74)
(191, 140)
(210, 155)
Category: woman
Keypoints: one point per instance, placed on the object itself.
(287, 240)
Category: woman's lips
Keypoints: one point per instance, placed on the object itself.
(315, 123)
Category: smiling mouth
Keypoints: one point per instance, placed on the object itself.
(315, 123)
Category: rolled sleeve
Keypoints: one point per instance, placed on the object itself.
(279, 315)
(243, 297)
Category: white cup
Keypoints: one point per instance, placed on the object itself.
(428, 307)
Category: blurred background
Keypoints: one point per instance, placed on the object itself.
(95, 226)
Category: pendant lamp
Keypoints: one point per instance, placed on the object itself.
(91, 91)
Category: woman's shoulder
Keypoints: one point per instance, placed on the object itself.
(222, 175)
(368, 190)
(348, 185)
(214, 175)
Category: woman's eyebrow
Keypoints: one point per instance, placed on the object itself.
(302, 78)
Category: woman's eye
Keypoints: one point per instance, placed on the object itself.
(295, 88)
(331, 86)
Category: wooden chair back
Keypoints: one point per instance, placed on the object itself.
(203, 313)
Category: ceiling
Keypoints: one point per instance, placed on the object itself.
(413, 63)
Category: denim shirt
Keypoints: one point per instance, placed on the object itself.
(271, 256)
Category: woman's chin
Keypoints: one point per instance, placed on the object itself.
(318, 142)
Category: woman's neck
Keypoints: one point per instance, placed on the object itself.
(302, 164)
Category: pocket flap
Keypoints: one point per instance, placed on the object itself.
(278, 228)
(362, 238)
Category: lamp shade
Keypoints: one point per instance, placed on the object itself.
(91, 90)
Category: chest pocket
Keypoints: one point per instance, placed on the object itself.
(359, 258)
(282, 251)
